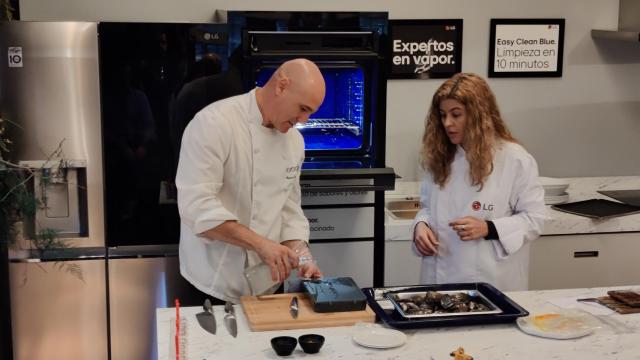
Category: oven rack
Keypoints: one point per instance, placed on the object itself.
(336, 123)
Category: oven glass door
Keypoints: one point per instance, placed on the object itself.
(339, 124)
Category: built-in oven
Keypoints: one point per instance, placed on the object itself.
(338, 127)
(347, 131)
(344, 175)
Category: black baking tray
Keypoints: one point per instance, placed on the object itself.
(629, 197)
(510, 309)
(597, 208)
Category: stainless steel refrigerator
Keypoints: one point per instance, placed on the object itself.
(143, 69)
(50, 90)
(97, 299)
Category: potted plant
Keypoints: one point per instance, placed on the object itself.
(18, 203)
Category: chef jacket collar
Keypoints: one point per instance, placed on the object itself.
(255, 117)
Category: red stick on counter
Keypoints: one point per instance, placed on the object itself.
(177, 337)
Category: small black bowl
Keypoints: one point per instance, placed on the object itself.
(284, 345)
(311, 343)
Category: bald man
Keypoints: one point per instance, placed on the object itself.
(238, 185)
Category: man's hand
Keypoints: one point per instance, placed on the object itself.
(308, 268)
(470, 228)
(425, 240)
(279, 258)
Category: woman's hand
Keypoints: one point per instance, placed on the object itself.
(425, 240)
(470, 228)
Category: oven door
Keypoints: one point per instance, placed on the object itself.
(342, 124)
(344, 129)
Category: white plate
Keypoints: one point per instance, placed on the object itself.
(378, 337)
(566, 324)
(560, 199)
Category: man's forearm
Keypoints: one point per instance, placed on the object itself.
(293, 243)
(236, 234)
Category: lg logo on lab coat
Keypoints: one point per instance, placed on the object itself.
(476, 205)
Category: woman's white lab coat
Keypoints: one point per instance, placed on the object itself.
(512, 198)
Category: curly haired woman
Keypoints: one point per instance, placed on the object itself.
(481, 200)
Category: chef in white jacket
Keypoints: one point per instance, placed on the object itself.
(482, 203)
(238, 183)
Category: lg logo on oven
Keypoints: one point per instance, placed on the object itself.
(15, 56)
(477, 205)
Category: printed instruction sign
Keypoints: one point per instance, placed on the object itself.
(425, 49)
(526, 47)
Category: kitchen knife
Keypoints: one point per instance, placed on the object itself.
(293, 307)
(230, 319)
(206, 319)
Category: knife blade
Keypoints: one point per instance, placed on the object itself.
(206, 319)
(230, 319)
(293, 307)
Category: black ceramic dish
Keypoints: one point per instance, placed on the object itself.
(311, 343)
(284, 345)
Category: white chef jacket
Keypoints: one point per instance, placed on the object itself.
(231, 167)
(512, 198)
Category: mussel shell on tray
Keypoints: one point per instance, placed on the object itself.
(425, 304)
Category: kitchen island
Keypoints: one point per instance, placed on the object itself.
(615, 338)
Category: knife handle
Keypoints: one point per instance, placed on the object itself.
(268, 297)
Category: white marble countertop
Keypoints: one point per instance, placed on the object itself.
(559, 223)
(616, 337)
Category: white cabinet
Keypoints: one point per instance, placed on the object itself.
(342, 232)
(340, 223)
(584, 260)
(401, 265)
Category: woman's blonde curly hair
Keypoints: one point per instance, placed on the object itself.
(484, 128)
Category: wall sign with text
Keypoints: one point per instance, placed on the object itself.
(424, 49)
(526, 47)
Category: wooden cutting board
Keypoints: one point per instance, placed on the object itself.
(617, 306)
(271, 312)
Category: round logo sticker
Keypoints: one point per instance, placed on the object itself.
(476, 205)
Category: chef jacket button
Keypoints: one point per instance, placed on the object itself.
(256, 151)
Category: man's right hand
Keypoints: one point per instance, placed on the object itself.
(279, 258)
(425, 240)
